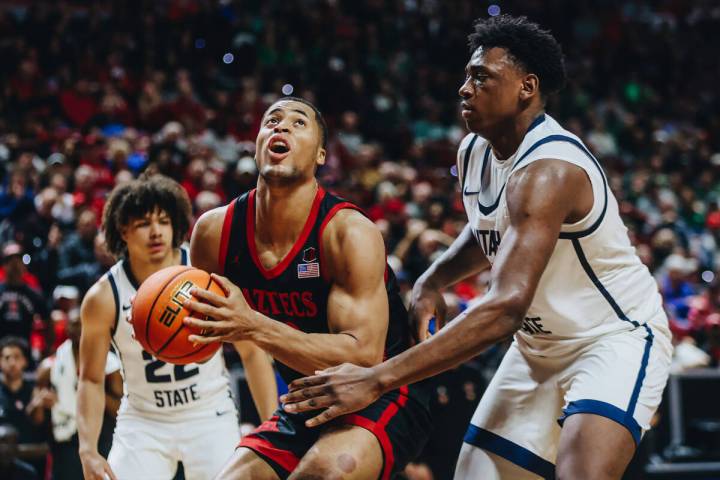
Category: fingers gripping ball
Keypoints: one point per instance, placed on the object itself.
(158, 313)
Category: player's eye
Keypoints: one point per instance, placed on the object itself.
(300, 122)
(272, 121)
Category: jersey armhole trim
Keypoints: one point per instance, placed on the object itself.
(466, 162)
(579, 145)
(331, 213)
(116, 299)
(225, 235)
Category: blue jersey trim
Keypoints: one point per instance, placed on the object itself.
(641, 373)
(116, 297)
(538, 120)
(596, 281)
(184, 257)
(565, 138)
(604, 409)
(466, 161)
(510, 451)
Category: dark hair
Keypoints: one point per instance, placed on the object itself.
(140, 197)
(13, 341)
(318, 116)
(531, 47)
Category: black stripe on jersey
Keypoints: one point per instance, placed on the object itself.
(184, 257)
(116, 297)
(466, 162)
(596, 281)
(129, 274)
(565, 138)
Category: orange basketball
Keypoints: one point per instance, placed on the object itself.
(158, 313)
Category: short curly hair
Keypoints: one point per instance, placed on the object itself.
(140, 197)
(531, 47)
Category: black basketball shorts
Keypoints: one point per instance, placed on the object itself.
(400, 420)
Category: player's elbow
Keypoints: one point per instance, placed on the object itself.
(512, 309)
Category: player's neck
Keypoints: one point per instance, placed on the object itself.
(143, 269)
(510, 136)
(280, 213)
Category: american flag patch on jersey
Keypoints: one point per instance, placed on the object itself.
(308, 270)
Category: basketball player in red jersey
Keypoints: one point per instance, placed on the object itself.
(308, 283)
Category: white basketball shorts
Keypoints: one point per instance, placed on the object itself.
(515, 431)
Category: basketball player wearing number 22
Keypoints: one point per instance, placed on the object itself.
(168, 413)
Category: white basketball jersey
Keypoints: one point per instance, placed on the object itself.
(594, 283)
(152, 386)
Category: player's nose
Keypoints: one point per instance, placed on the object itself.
(465, 90)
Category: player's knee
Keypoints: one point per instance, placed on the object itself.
(332, 467)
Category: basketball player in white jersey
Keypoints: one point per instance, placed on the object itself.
(168, 413)
(591, 348)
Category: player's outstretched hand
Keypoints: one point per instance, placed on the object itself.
(338, 390)
(230, 317)
(95, 467)
(425, 303)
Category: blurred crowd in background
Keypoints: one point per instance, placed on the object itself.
(94, 93)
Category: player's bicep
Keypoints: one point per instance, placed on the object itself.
(205, 241)
(539, 199)
(97, 315)
(358, 303)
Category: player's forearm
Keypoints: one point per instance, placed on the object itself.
(308, 352)
(90, 406)
(462, 259)
(260, 377)
(462, 339)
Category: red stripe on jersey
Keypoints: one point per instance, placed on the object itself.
(225, 235)
(285, 458)
(329, 216)
(250, 229)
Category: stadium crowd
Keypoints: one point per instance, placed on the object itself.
(94, 93)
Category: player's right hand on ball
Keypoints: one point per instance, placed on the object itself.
(95, 467)
(425, 303)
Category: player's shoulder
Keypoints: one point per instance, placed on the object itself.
(212, 218)
(470, 138)
(100, 298)
(349, 230)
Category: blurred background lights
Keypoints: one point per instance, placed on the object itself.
(287, 89)
(228, 58)
(200, 43)
(494, 10)
(26, 259)
(708, 276)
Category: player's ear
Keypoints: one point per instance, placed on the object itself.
(320, 158)
(530, 86)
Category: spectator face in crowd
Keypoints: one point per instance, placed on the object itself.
(12, 363)
(13, 263)
(87, 226)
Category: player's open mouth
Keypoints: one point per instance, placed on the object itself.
(278, 147)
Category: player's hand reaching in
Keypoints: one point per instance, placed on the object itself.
(230, 318)
(95, 467)
(425, 303)
(338, 390)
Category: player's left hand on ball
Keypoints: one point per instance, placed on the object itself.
(338, 390)
(230, 318)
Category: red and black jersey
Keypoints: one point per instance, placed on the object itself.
(296, 290)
